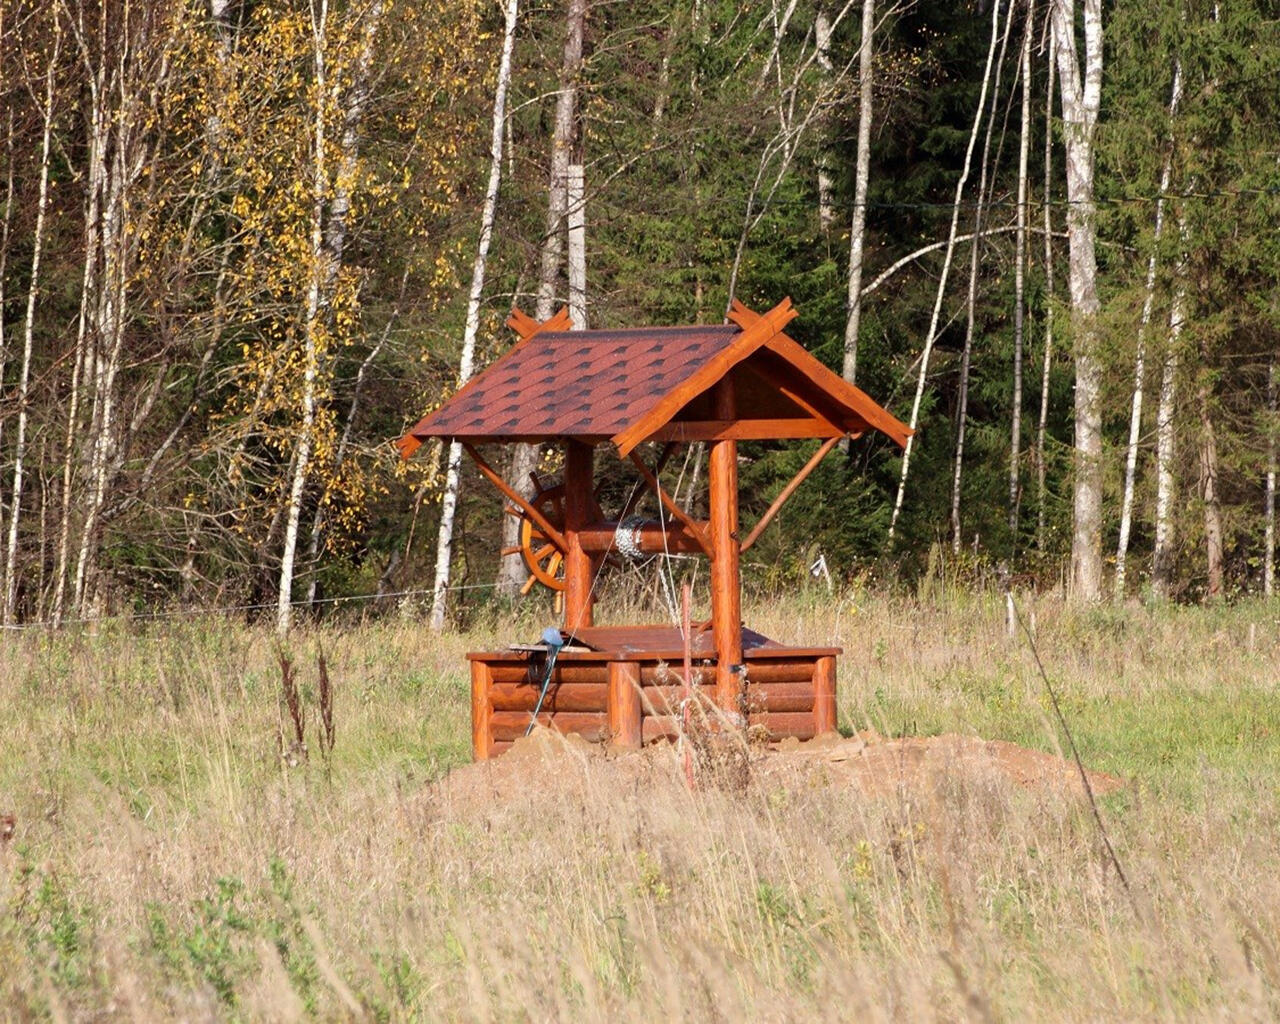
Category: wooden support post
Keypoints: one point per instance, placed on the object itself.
(481, 712)
(726, 597)
(578, 512)
(624, 704)
(824, 695)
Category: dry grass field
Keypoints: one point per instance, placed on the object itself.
(166, 862)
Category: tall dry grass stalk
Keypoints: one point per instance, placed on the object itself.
(166, 863)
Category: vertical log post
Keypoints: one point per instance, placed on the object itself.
(481, 712)
(578, 478)
(824, 695)
(624, 704)
(726, 598)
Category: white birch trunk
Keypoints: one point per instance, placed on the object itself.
(28, 338)
(862, 174)
(335, 240)
(4, 257)
(107, 344)
(512, 572)
(335, 232)
(822, 36)
(975, 266)
(1047, 359)
(1269, 509)
(1019, 282)
(1139, 363)
(1209, 491)
(121, 87)
(1166, 444)
(312, 327)
(449, 500)
(577, 252)
(932, 336)
(94, 181)
(1081, 96)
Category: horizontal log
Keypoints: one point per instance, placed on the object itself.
(665, 700)
(672, 674)
(531, 672)
(779, 672)
(780, 697)
(783, 724)
(510, 672)
(560, 697)
(650, 538)
(510, 725)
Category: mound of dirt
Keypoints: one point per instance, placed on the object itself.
(877, 765)
(871, 764)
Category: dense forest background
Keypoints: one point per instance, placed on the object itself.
(239, 238)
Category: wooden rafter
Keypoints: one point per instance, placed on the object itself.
(553, 535)
(789, 490)
(761, 330)
(690, 524)
(822, 378)
(526, 326)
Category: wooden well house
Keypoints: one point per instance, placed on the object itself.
(745, 380)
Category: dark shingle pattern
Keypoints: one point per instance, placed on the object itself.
(576, 383)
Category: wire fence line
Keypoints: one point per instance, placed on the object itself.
(203, 610)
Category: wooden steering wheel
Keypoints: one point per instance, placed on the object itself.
(541, 554)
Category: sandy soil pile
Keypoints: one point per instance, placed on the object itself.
(871, 765)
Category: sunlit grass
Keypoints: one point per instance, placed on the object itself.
(166, 862)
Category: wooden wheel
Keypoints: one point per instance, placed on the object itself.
(541, 554)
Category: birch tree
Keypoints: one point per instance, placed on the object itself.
(28, 328)
(975, 266)
(1080, 88)
(128, 56)
(466, 365)
(822, 39)
(1139, 367)
(335, 242)
(1162, 556)
(935, 317)
(1019, 278)
(1046, 362)
(524, 457)
(313, 329)
(862, 174)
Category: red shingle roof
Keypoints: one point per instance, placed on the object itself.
(628, 385)
(576, 383)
